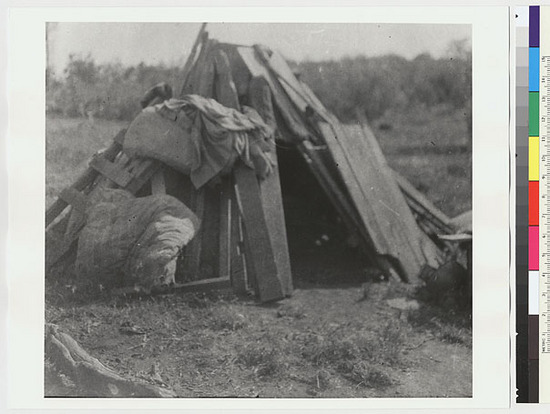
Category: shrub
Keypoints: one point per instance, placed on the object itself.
(370, 85)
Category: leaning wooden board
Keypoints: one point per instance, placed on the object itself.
(260, 204)
(385, 213)
(412, 240)
(260, 253)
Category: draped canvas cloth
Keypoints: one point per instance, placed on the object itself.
(200, 137)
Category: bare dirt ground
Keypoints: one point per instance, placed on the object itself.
(321, 342)
(337, 336)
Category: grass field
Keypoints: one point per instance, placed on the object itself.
(70, 143)
(337, 336)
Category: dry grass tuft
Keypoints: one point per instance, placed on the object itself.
(265, 361)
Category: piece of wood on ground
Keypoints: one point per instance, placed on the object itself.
(204, 285)
(91, 377)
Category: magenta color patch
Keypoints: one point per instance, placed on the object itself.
(533, 247)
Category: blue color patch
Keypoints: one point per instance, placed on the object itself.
(534, 62)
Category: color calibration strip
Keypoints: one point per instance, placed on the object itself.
(541, 51)
(522, 205)
(534, 155)
(533, 204)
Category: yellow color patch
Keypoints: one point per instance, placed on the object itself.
(533, 158)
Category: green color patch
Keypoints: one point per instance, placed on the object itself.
(533, 114)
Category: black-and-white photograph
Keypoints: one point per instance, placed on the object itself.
(273, 210)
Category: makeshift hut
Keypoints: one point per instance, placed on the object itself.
(235, 187)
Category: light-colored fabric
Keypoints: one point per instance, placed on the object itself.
(153, 258)
(227, 119)
(228, 133)
(200, 137)
(133, 241)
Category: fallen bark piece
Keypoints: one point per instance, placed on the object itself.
(89, 374)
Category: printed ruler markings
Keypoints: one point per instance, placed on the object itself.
(543, 126)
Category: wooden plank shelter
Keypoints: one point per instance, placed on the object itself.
(351, 168)
(242, 242)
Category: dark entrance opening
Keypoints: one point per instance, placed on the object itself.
(321, 252)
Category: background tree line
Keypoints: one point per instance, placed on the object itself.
(370, 84)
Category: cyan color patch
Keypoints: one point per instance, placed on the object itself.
(534, 62)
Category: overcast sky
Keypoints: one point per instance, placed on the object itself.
(152, 43)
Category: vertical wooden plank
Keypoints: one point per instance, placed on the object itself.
(210, 247)
(259, 95)
(201, 39)
(238, 259)
(225, 90)
(179, 185)
(262, 210)
(241, 272)
(192, 252)
(272, 205)
(193, 78)
(225, 229)
(261, 254)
